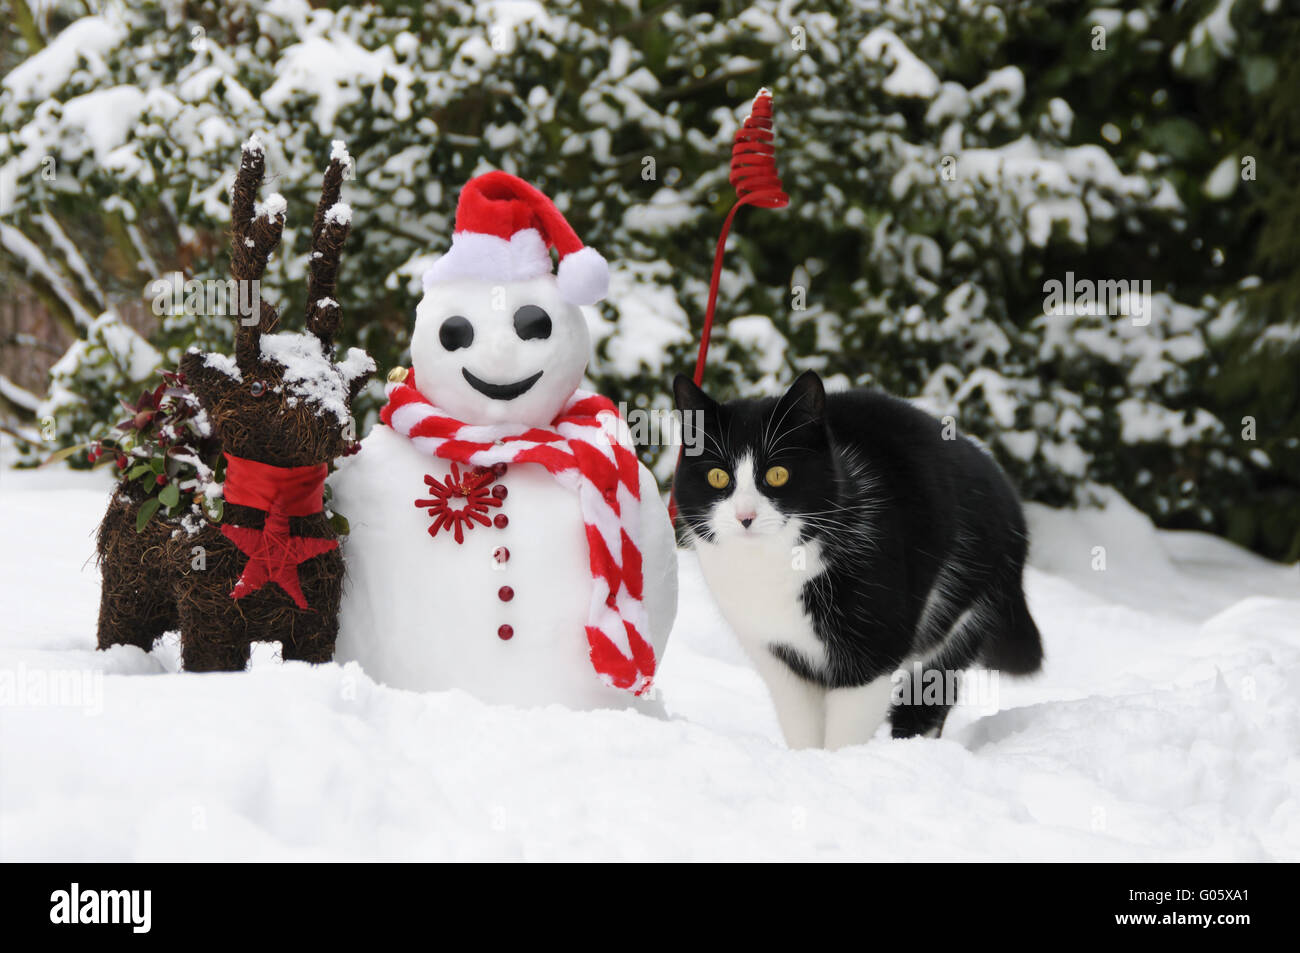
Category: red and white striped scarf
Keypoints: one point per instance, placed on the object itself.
(588, 450)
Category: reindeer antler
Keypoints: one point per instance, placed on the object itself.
(255, 232)
(328, 233)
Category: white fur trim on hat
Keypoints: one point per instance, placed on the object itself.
(479, 255)
(583, 276)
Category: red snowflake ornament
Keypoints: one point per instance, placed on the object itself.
(469, 492)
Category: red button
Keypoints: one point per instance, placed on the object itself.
(506, 633)
(501, 521)
(499, 491)
(505, 593)
(501, 554)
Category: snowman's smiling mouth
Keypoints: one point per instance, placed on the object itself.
(501, 391)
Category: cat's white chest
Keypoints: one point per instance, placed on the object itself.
(757, 583)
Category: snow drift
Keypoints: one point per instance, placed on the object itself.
(1164, 726)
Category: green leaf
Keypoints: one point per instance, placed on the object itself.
(169, 495)
(1259, 72)
(1180, 137)
(147, 509)
(1199, 60)
(139, 470)
(64, 454)
(340, 524)
(156, 464)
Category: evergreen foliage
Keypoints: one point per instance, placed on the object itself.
(945, 160)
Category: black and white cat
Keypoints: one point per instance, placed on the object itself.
(846, 540)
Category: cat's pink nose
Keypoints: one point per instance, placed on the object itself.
(745, 518)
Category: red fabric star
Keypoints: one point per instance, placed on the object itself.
(274, 555)
(472, 488)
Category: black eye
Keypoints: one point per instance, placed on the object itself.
(532, 323)
(257, 388)
(456, 332)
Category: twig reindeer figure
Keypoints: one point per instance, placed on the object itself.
(271, 571)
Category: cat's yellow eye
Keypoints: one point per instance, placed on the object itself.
(777, 476)
(718, 478)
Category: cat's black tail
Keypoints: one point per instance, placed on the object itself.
(1014, 646)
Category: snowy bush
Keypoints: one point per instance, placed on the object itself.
(88, 383)
(945, 160)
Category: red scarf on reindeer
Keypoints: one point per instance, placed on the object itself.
(588, 450)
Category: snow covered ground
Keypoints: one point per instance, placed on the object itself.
(1165, 726)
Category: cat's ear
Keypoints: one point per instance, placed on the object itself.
(806, 396)
(688, 396)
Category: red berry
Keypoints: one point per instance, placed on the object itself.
(501, 521)
(121, 462)
(160, 479)
(506, 633)
(499, 492)
(505, 593)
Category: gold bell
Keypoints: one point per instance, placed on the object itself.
(397, 375)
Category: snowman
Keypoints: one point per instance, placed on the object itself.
(504, 538)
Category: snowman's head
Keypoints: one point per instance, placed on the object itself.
(498, 337)
(499, 352)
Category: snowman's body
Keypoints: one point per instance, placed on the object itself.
(425, 612)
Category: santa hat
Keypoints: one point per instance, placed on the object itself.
(505, 229)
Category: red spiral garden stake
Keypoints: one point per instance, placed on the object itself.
(754, 177)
